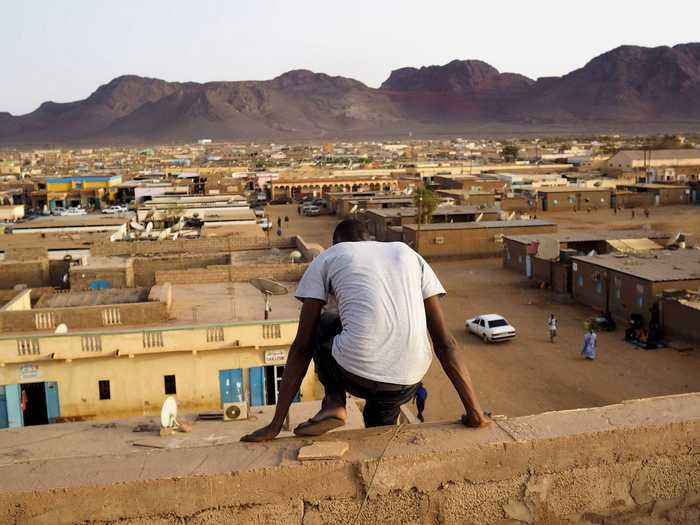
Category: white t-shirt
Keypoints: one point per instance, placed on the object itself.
(380, 288)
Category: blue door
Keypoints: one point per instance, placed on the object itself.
(256, 383)
(231, 385)
(3, 408)
(53, 407)
(13, 397)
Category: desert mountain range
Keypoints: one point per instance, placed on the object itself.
(629, 86)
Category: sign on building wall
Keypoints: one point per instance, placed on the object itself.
(28, 372)
(275, 357)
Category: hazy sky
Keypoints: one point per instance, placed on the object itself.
(62, 50)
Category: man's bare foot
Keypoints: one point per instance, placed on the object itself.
(337, 412)
(324, 421)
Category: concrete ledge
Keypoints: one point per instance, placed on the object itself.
(634, 462)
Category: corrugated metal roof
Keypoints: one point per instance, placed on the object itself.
(589, 236)
(634, 245)
(660, 266)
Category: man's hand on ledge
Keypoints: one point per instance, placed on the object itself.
(265, 433)
(475, 419)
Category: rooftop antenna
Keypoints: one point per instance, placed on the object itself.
(268, 288)
(61, 329)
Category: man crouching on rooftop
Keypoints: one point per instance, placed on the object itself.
(376, 346)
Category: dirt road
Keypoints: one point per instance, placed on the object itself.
(530, 375)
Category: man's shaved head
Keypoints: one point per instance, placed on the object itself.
(350, 230)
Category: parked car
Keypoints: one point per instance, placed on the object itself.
(265, 223)
(281, 200)
(73, 212)
(311, 211)
(115, 209)
(491, 328)
(58, 210)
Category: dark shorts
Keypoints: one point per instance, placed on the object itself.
(382, 400)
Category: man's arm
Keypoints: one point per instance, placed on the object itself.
(445, 347)
(300, 354)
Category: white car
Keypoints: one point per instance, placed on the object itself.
(73, 211)
(311, 211)
(113, 210)
(491, 328)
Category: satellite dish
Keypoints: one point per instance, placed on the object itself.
(61, 329)
(353, 209)
(149, 227)
(168, 414)
(478, 219)
(591, 253)
(136, 226)
(268, 286)
(511, 216)
(295, 256)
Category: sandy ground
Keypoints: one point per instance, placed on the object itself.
(529, 375)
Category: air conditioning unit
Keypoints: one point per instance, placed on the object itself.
(235, 411)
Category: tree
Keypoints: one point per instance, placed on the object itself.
(426, 202)
(510, 152)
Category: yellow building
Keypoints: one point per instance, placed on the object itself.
(88, 190)
(127, 372)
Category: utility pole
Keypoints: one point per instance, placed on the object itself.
(420, 219)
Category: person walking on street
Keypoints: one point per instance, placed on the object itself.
(552, 326)
(421, 396)
(286, 218)
(589, 345)
(279, 222)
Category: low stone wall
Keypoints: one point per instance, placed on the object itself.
(145, 268)
(636, 462)
(83, 317)
(33, 273)
(232, 273)
(207, 245)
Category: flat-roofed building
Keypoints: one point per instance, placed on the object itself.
(652, 195)
(644, 160)
(379, 220)
(632, 284)
(572, 197)
(547, 257)
(470, 239)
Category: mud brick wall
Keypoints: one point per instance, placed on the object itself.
(145, 268)
(33, 273)
(209, 245)
(237, 273)
(83, 317)
(25, 253)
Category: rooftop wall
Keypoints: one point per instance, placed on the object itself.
(207, 245)
(635, 462)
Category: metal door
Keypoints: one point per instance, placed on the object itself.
(256, 383)
(231, 385)
(3, 408)
(53, 406)
(13, 397)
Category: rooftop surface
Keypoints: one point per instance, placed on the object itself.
(663, 265)
(520, 223)
(93, 298)
(574, 189)
(440, 210)
(92, 219)
(229, 302)
(589, 236)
